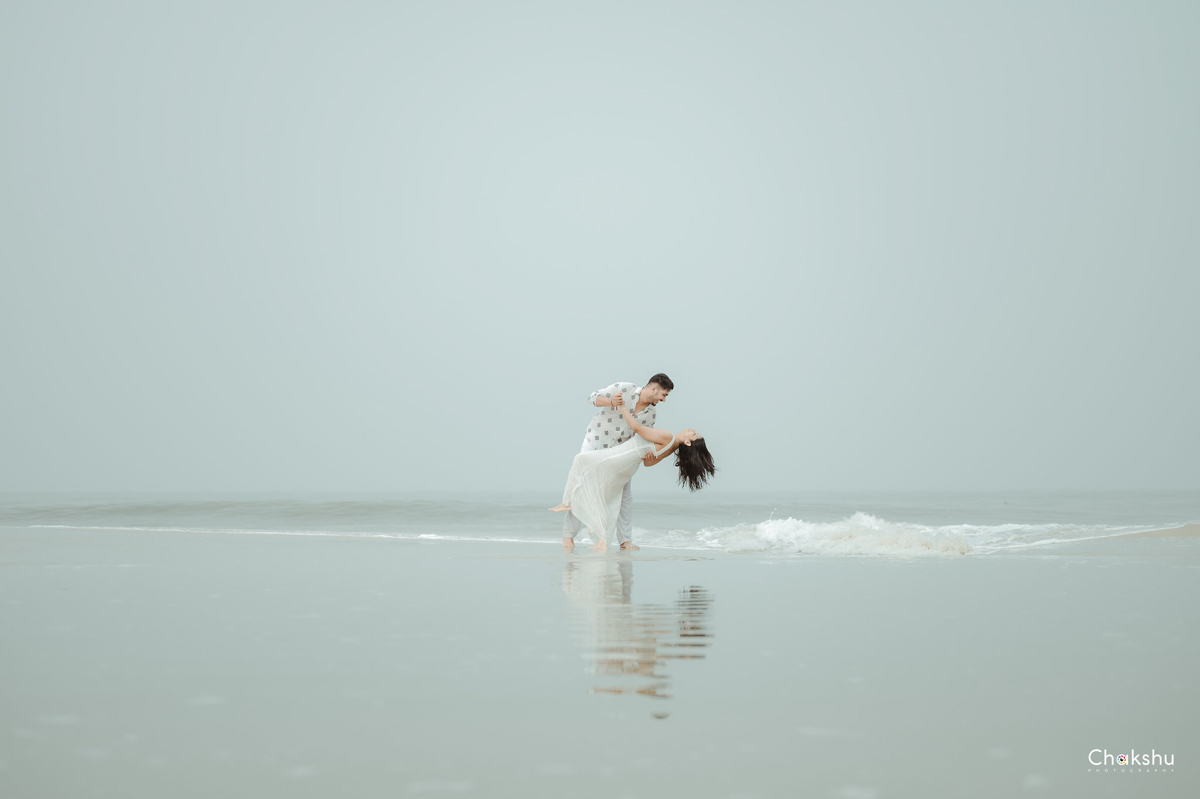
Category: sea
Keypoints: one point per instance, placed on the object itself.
(862, 645)
(771, 523)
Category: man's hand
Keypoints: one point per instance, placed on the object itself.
(648, 459)
(618, 401)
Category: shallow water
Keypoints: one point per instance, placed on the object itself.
(834, 523)
(143, 663)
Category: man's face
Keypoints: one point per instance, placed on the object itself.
(655, 393)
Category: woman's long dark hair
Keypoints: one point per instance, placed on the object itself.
(695, 464)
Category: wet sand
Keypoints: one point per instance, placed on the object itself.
(169, 664)
(1187, 531)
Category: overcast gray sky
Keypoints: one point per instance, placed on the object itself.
(381, 246)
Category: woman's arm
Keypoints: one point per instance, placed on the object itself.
(659, 437)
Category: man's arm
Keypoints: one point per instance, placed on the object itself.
(649, 460)
(684, 437)
(603, 397)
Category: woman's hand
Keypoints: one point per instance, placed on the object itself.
(619, 402)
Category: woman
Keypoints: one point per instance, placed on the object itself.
(593, 491)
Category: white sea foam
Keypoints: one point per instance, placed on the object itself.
(864, 534)
(860, 534)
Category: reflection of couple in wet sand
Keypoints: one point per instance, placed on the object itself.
(619, 439)
(628, 644)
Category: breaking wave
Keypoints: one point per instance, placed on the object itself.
(864, 534)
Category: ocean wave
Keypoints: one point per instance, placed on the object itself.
(864, 534)
(860, 534)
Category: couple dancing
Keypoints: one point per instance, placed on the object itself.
(619, 439)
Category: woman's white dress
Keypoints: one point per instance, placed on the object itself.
(597, 478)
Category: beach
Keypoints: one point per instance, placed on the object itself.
(188, 664)
(313, 312)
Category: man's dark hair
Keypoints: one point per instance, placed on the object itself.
(663, 381)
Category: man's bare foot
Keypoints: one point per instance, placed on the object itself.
(568, 544)
(628, 545)
(559, 508)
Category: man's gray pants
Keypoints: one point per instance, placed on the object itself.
(571, 525)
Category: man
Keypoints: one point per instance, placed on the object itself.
(608, 429)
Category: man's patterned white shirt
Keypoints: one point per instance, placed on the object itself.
(608, 427)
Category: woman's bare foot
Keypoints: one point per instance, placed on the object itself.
(628, 545)
(599, 546)
(559, 508)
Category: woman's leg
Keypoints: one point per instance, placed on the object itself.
(570, 523)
